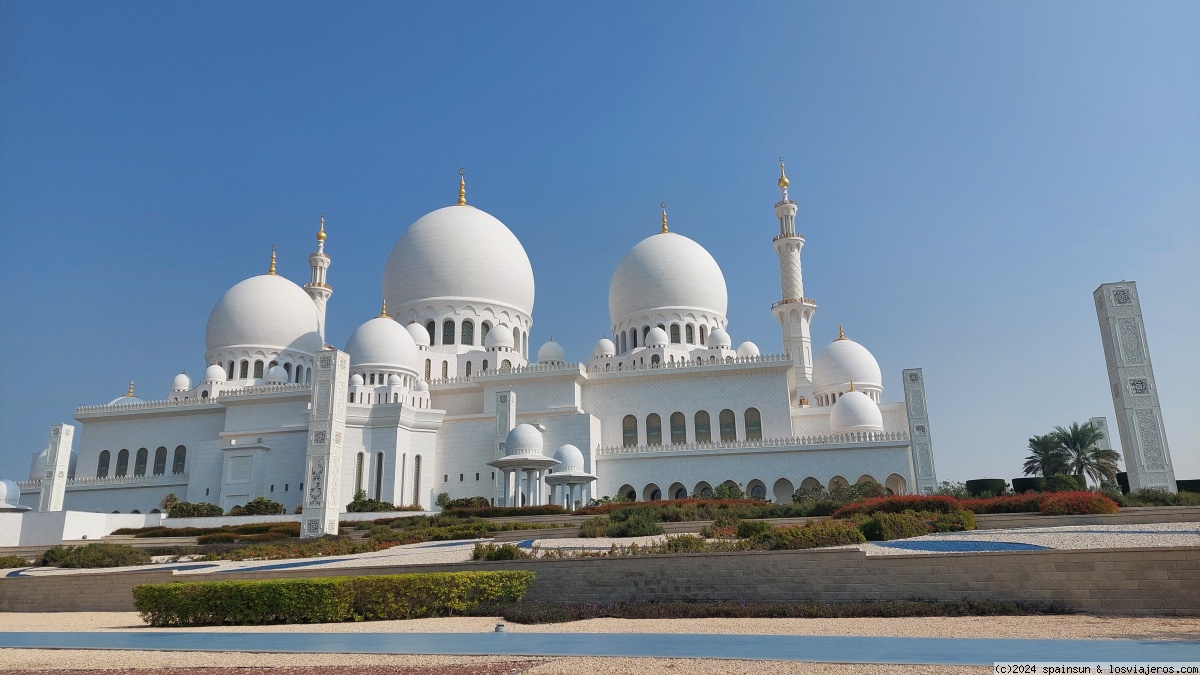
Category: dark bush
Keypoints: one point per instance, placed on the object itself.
(637, 526)
(506, 511)
(817, 534)
(1064, 483)
(499, 552)
(1034, 484)
(900, 504)
(13, 561)
(594, 527)
(261, 506)
(883, 526)
(981, 487)
(217, 538)
(748, 529)
(325, 600)
(468, 503)
(1151, 497)
(95, 555)
(1189, 485)
(959, 521)
(196, 510)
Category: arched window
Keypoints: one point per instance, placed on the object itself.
(633, 337)
(431, 328)
(703, 428)
(139, 463)
(299, 373)
(358, 471)
(654, 361)
(674, 333)
(505, 366)
(653, 429)
(428, 365)
(102, 464)
(307, 375)
(417, 479)
(483, 368)
(122, 463)
(468, 332)
(180, 459)
(287, 368)
(379, 476)
(517, 341)
(352, 397)
(244, 372)
(484, 329)
(160, 461)
(272, 365)
(445, 369)
(395, 397)
(678, 428)
(468, 369)
(703, 332)
(645, 332)
(448, 332)
(229, 371)
(629, 434)
(372, 379)
(258, 369)
(728, 428)
(753, 425)
(689, 334)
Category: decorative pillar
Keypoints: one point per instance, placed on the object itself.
(506, 419)
(326, 429)
(58, 463)
(918, 431)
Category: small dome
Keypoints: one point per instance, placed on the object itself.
(38, 468)
(214, 373)
(524, 439)
(500, 336)
(419, 335)
(551, 352)
(356, 380)
(569, 458)
(657, 337)
(748, 348)
(9, 492)
(181, 382)
(604, 347)
(667, 271)
(855, 412)
(422, 385)
(266, 311)
(394, 380)
(719, 338)
(842, 362)
(277, 375)
(381, 343)
(125, 400)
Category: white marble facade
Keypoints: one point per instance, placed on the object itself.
(664, 406)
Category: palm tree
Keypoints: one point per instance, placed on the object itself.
(1047, 456)
(1084, 455)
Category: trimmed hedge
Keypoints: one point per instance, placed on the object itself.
(977, 487)
(1064, 503)
(506, 511)
(326, 599)
(196, 510)
(1076, 503)
(935, 503)
(1192, 485)
(817, 534)
(95, 555)
(884, 526)
(1029, 484)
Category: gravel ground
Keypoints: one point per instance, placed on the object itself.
(1068, 537)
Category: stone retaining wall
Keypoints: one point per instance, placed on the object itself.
(1160, 581)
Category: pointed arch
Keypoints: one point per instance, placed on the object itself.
(703, 427)
(102, 464)
(629, 431)
(728, 426)
(160, 461)
(179, 460)
(653, 429)
(753, 425)
(678, 428)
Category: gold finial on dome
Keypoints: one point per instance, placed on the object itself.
(841, 333)
(663, 206)
(272, 270)
(783, 179)
(851, 385)
(129, 394)
(321, 232)
(462, 187)
(383, 311)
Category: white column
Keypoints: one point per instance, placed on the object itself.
(323, 457)
(58, 462)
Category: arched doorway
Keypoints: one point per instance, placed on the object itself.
(896, 484)
(783, 491)
(651, 493)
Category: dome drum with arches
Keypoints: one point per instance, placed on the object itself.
(842, 363)
(264, 318)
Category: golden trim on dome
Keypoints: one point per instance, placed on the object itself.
(383, 311)
(129, 394)
(663, 206)
(272, 270)
(462, 187)
(841, 333)
(321, 232)
(783, 179)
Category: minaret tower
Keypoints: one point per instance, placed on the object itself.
(794, 312)
(318, 287)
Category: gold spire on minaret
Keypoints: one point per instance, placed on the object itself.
(129, 394)
(321, 232)
(462, 187)
(851, 385)
(383, 311)
(272, 270)
(783, 179)
(841, 333)
(663, 206)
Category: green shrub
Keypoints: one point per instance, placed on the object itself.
(95, 555)
(506, 511)
(885, 526)
(13, 561)
(217, 538)
(1188, 485)
(1152, 497)
(986, 487)
(468, 503)
(818, 534)
(594, 527)
(749, 529)
(261, 506)
(1064, 483)
(499, 552)
(959, 521)
(325, 600)
(1029, 484)
(196, 510)
(637, 526)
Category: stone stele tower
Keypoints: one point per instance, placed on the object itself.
(326, 431)
(1135, 395)
(58, 462)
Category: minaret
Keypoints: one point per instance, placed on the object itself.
(318, 288)
(794, 312)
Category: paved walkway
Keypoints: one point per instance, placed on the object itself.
(938, 651)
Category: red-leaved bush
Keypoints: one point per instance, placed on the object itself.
(1076, 503)
(1030, 502)
(900, 504)
(1045, 503)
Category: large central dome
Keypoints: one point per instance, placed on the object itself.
(454, 256)
(667, 271)
(266, 312)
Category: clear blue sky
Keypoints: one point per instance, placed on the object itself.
(966, 173)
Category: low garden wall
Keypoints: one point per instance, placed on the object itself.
(1146, 581)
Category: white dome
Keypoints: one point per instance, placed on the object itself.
(719, 338)
(667, 271)
(524, 439)
(419, 335)
(604, 347)
(551, 352)
(460, 255)
(214, 373)
(842, 362)
(266, 311)
(181, 382)
(38, 468)
(657, 337)
(9, 492)
(382, 343)
(125, 400)
(500, 336)
(394, 380)
(356, 380)
(747, 348)
(853, 412)
(569, 458)
(277, 375)
(422, 385)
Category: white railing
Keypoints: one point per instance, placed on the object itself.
(669, 365)
(265, 389)
(830, 439)
(180, 402)
(515, 370)
(168, 478)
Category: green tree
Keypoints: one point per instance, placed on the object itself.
(1047, 456)
(1081, 443)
